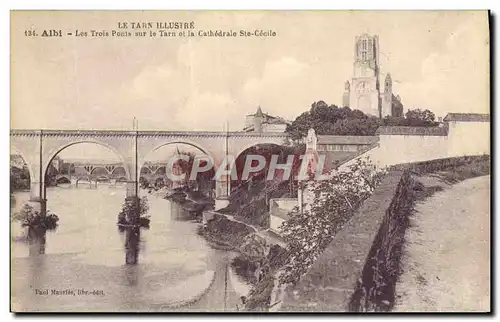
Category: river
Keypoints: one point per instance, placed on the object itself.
(83, 267)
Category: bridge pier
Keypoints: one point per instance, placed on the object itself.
(37, 197)
(132, 189)
(39, 205)
(222, 191)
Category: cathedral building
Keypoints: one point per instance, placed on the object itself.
(364, 92)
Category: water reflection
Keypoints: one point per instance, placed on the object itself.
(132, 241)
(87, 252)
(36, 239)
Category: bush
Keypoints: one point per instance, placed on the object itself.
(134, 212)
(335, 201)
(35, 219)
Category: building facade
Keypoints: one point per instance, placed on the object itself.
(261, 122)
(364, 91)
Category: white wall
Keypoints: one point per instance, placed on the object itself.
(283, 203)
(464, 138)
(275, 223)
(273, 127)
(395, 149)
(469, 138)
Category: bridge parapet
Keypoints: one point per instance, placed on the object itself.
(97, 133)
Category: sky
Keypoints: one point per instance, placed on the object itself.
(438, 61)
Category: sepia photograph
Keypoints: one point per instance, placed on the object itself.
(250, 161)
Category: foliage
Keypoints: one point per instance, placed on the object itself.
(19, 178)
(254, 247)
(35, 219)
(334, 120)
(322, 118)
(50, 176)
(143, 183)
(186, 167)
(134, 212)
(417, 116)
(260, 296)
(357, 126)
(335, 201)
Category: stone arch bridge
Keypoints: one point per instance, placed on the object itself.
(39, 147)
(110, 172)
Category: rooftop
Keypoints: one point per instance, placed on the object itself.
(412, 130)
(467, 117)
(346, 139)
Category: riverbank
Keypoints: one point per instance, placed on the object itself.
(257, 259)
(184, 293)
(194, 202)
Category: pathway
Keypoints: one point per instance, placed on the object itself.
(447, 255)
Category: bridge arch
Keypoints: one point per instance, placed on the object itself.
(119, 170)
(121, 179)
(252, 145)
(52, 154)
(183, 141)
(32, 171)
(64, 179)
(272, 148)
(159, 170)
(99, 167)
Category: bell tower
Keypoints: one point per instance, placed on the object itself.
(365, 88)
(366, 55)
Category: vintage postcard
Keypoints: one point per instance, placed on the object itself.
(243, 161)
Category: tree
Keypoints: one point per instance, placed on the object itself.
(367, 125)
(416, 117)
(332, 120)
(33, 219)
(134, 212)
(186, 167)
(19, 178)
(50, 176)
(307, 233)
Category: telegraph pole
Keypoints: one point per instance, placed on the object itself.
(136, 128)
(41, 176)
(228, 188)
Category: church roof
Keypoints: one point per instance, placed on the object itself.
(259, 112)
(467, 117)
(412, 130)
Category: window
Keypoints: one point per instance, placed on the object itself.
(364, 44)
(363, 55)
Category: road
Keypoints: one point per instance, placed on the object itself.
(446, 261)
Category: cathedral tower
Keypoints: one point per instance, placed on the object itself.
(365, 92)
